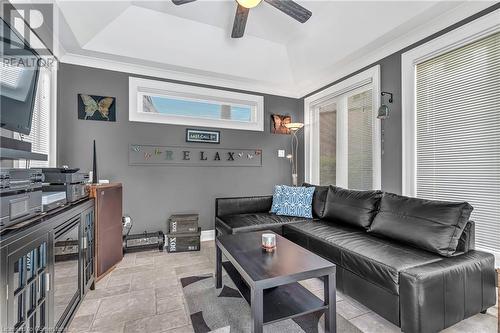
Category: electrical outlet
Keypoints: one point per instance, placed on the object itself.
(126, 221)
(281, 153)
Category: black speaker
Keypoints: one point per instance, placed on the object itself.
(95, 179)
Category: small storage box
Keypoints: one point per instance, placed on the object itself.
(143, 241)
(186, 242)
(183, 223)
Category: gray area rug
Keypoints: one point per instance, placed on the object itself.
(226, 311)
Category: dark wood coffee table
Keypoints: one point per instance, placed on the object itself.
(269, 281)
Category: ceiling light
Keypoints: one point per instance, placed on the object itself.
(249, 3)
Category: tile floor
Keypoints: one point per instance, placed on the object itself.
(143, 294)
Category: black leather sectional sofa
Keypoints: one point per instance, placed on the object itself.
(410, 260)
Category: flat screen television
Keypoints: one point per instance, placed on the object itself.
(19, 72)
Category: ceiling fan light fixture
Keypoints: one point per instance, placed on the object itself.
(248, 3)
(288, 7)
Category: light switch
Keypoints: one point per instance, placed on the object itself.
(281, 153)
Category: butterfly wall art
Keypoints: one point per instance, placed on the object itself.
(91, 107)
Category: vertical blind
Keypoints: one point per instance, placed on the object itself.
(458, 132)
(40, 125)
(360, 140)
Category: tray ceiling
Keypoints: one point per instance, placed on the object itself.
(277, 54)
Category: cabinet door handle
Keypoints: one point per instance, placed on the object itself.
(84, 243)
(47, 281)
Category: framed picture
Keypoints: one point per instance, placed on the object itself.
(196, 135)
(92, 107)
(278, 122)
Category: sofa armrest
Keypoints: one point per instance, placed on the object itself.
(437, 295)
(467, 240)
(242, 205)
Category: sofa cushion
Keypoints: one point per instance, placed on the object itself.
(356, 208)
(323, 238)
(296, 201)
(432, 225)
(319, 199)
(277, 198)
(231, 224)
(377, 260)
(243, 205)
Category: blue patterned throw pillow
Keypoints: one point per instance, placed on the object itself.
(277, 198)
(296, 201)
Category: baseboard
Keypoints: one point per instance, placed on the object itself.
(207, 235)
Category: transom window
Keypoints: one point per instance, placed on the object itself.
(178, 104)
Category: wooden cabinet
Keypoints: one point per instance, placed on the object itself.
(108, 227)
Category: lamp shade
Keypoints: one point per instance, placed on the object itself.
(294, 126)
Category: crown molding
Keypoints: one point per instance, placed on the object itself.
(396, 45)
(316, 82)
(204, 79)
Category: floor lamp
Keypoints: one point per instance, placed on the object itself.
(294, 128)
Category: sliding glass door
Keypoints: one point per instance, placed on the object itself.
(328, 143)
(347, 138)
(342, 144)
(360, 120)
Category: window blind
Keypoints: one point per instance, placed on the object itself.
(458, 132)
(328, 144)
(40, 125)
(360, 140)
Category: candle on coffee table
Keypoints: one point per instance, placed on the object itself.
(269, 242)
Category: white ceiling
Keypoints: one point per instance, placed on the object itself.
(277, 54)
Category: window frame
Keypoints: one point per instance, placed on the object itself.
(52, 127)
(139, 87)
(466, 34)
(312, 103)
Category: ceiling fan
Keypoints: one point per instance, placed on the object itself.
(289, 7)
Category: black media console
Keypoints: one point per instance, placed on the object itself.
(46, 268)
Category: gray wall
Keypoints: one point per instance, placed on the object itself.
(152, 193)
(390, 76)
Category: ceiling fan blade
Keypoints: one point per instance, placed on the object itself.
(181, 2)
(292, 9)
(240, 21)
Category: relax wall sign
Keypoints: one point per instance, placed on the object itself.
(190, 156)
